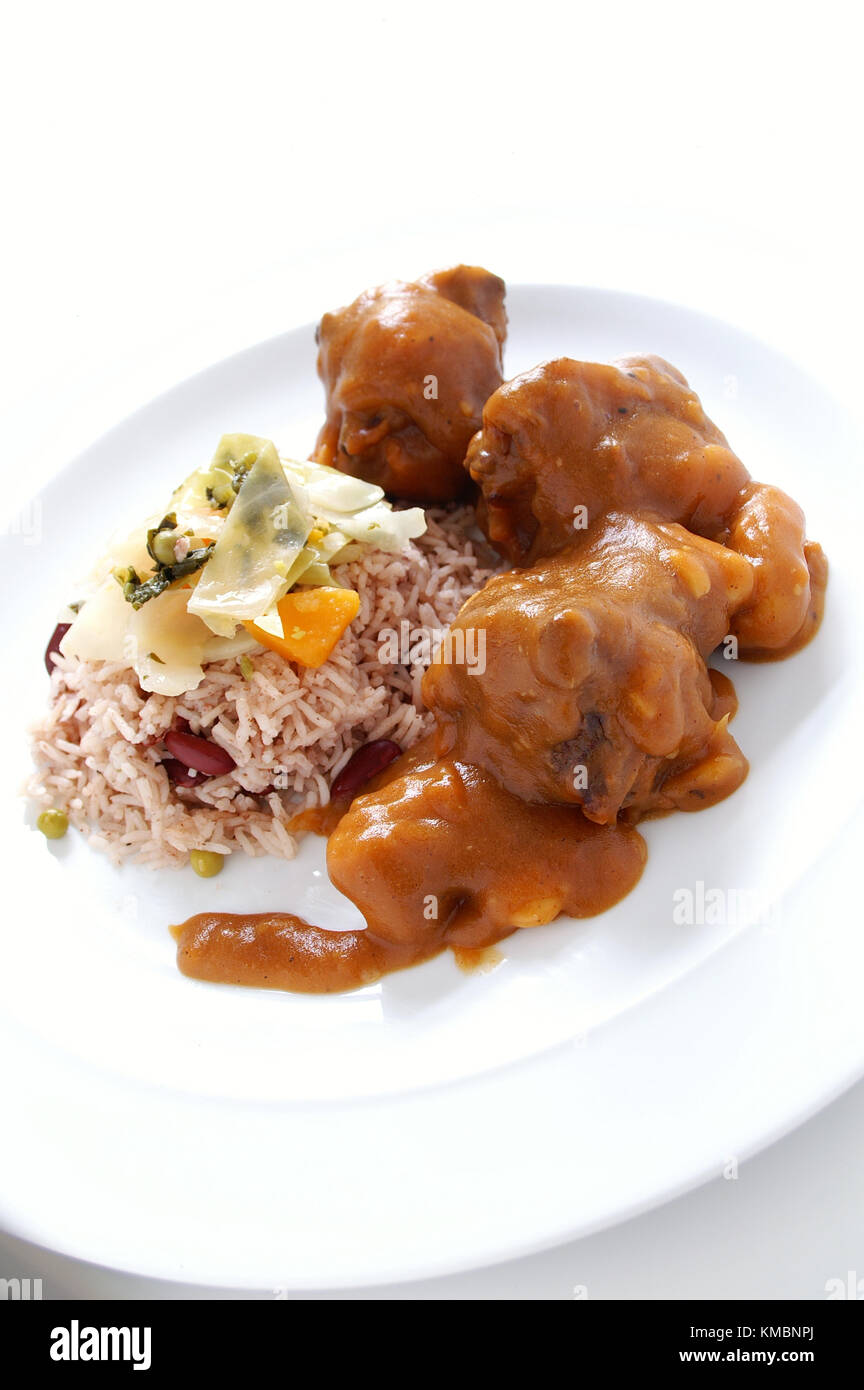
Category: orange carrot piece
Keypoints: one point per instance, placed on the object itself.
(313, 620)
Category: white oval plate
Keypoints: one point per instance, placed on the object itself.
(434, 1121)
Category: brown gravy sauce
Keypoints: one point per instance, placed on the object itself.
(516, 865)
(282, 951)
(277, 950)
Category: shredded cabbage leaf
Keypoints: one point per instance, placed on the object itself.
(355, 509)
(276, 522)
(265, 532)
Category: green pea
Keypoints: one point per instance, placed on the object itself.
(53, 824)
(205, 863)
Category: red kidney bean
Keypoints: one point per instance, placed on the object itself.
(362, 766)
(54, 644)
(199, 753)
(180, 775)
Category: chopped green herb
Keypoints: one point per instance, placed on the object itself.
(247, 668)
(138, 591)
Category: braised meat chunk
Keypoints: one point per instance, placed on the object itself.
(407, 369)
(569, 441)
(595, 690)
(790, 573)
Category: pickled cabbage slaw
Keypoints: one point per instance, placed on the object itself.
(205, 581)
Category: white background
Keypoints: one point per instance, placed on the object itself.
(180, 180)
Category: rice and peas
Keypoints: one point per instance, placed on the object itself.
(288, 728)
